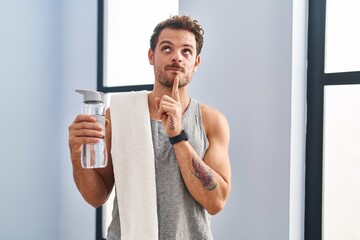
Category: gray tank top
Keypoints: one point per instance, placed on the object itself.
(180, 217)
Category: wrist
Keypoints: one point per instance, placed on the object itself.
(179, 138)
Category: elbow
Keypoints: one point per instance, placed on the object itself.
(216, 207)
(95, 205)
(95, 201)
(218, 203)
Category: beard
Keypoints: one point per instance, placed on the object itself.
(166, 77)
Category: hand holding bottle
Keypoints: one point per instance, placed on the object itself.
(84, 130)
(86, 133)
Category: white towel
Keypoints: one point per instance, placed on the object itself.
(134, 168)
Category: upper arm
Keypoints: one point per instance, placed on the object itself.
(218, 134)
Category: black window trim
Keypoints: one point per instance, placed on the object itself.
(317, 79)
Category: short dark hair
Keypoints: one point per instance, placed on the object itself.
(181, 22)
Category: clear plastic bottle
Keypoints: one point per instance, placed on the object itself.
(94, 155)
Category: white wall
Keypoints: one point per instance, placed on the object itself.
(30, 73)
(48, 48)
(79, 19)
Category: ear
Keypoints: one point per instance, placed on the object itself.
(151, 56)
(197, 63)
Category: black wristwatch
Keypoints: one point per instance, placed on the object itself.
(181, 137)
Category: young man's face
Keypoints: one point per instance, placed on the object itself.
(174, 55)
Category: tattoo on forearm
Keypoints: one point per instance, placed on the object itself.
(204, 175)
(172, 127)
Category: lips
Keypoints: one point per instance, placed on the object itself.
(174, 68)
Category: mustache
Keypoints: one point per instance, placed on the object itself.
(174, 66)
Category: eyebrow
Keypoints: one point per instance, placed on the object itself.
(170, 43)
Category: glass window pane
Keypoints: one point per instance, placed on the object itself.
(341, 179)
(342, 52)
(128, 27)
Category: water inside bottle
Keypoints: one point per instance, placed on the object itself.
(95, 155)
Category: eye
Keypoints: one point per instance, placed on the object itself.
(187, 52)
(165, 49)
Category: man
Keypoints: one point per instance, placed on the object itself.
(190, 141)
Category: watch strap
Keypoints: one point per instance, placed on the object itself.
(181, 137)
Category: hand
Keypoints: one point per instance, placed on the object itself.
(83, 130)
(170, 110)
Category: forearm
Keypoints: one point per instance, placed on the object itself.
(206, 186)
(90, 183)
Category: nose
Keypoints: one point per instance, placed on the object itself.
(177, 57)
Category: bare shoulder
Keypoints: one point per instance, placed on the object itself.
(215, 122)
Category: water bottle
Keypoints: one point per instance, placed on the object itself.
(94, 155)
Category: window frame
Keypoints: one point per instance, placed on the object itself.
(100, 59)
(317, 79)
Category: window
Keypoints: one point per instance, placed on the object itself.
(125, 28)
(333, 98)
(342, 49)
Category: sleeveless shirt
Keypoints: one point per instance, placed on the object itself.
(180, 217)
